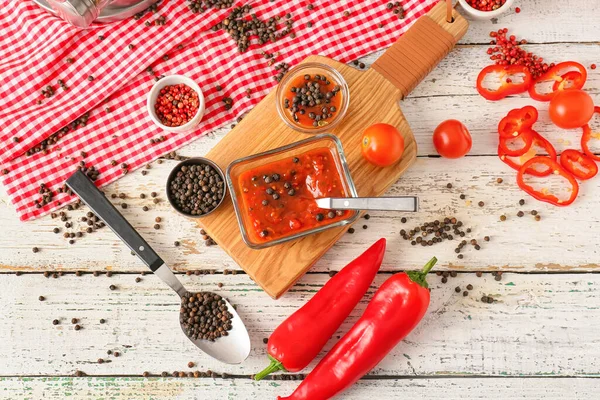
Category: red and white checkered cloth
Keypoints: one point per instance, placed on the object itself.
(34, 46)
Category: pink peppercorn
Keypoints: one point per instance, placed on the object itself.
(507, 51)
(486, 5)
(176, 105)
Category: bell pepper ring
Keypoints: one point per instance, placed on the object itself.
(517, 121)
(526, 137)
(587, 136)
(507, 86)
(573, 77)
(544, 195)
(558, 75)
(539, 141)
(570, 158)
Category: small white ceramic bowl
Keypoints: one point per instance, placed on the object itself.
(174, 80)
(476, 14)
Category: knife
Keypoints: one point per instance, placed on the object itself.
(401, 203)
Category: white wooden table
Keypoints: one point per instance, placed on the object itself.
(539, 340)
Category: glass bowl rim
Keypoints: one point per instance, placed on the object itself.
(352, 192)
(293, 72)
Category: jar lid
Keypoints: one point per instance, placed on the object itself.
(80, 13)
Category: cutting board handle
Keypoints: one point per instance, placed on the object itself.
(408, 61)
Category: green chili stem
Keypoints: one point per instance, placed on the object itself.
(273, 367)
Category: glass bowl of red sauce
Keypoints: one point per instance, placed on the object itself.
(274, 192)
(312, 98)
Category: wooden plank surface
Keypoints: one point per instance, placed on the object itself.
(208, 389)
(540, 325)
(519, 244)
(537, 342)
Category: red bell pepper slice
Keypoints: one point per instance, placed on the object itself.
(517, 121)
(569, 160)
(557, 74)
(507, 86)
(544, 195)
(574, 77)
(586, 137)
(526, 137)
(538, 141)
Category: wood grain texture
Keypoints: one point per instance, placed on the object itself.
(408, 61)
(276, 268)
(529, 345)
(540, 325)
(373, 99)
(519, 244)
(124, 388)
(541, 21)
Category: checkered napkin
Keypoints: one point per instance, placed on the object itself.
(105, 71)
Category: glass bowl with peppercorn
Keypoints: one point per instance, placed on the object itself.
(485, 9)
(312, 98)
(196, 187)
(274, 193)
(176, 103)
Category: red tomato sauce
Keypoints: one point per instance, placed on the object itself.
(279, 198)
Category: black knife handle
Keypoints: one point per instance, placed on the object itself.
(87, 191)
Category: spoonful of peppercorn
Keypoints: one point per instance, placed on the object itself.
(207, 319)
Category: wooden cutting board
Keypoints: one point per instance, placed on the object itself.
(374, 96)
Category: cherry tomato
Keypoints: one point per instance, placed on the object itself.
(382, 145)
(570, 109)
(452, 139)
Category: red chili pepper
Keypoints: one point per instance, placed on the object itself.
(298, 340)
(526, 137)
(507, 86)
(569, 160)
(557, 75)
(517, 121)
(539, 141)
(395, 310)
(586, 137)
(544, 195)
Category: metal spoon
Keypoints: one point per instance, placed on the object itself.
(400, 203)
(231, 349)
